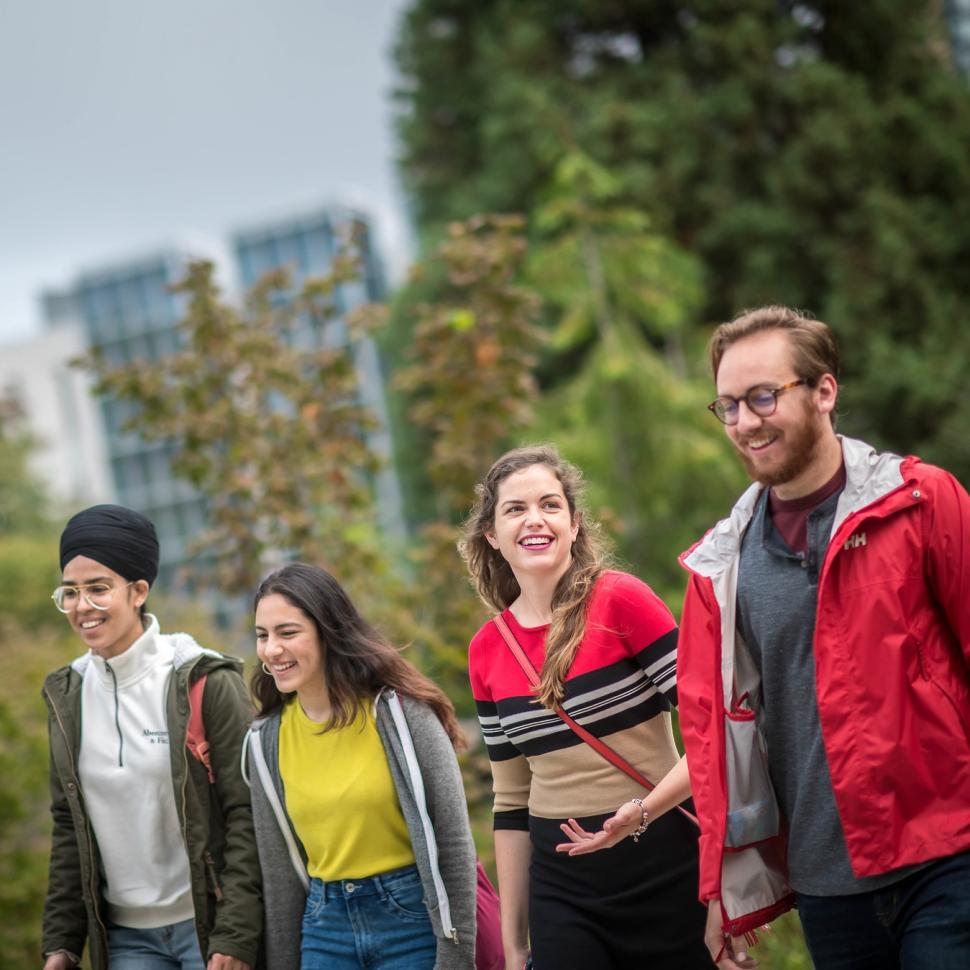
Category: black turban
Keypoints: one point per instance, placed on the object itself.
(116, 537)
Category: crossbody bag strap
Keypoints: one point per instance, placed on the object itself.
(597, 744)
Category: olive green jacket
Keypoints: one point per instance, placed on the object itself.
(216, 818)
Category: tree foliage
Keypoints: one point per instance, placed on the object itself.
(23, 502)
(32, 641)
(24, 800)
(28, 543)
(470, 374)
(470, 370)
(262, 409)
(619, 302)
(807, 153)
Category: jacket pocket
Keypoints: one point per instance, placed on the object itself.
(949, 701)
(752, 810)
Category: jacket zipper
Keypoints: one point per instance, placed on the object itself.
(210, 863)
(856, 518)
(121, 738)
(87, 833)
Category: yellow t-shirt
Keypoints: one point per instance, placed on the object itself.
(341, 798)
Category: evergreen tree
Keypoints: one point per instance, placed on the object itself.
(620, 299)
(23, 502)
(809, 153)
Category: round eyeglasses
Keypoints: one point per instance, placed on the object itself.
(760, 399)
(96, 595)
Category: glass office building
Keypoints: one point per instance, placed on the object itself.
(128, 313)
(958, 15)
(306, 244)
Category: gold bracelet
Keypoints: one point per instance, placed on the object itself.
(644, 819)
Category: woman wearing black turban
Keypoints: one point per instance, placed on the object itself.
(153, 862)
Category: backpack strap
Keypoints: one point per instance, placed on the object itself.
(195, 739)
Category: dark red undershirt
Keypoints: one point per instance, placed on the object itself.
(790, 518)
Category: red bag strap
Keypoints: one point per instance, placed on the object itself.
(597, 744)
(195, 739)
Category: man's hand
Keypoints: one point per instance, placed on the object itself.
(615, 829)
(220, 962)
(728, 952)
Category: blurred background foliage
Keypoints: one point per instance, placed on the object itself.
(806, 153)
(594, 185)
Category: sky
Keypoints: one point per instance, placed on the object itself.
(127, 127)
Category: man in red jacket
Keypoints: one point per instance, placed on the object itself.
(824, 674)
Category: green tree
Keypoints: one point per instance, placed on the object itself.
(33, 639)
(23, 503)
(28, 655)
(28, 544)
(808, 153)
(270, 431)
(472, 392)
(471, 366)
(620, 299)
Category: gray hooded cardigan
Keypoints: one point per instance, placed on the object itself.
(284, 895)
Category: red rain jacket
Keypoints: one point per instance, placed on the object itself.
(892, 657)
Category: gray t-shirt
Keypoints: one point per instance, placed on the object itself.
(777, 599)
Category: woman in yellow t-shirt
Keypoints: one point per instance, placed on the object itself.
(358, 805)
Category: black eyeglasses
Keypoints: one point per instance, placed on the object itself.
(761, 400)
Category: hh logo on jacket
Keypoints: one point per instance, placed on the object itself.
(854, 541)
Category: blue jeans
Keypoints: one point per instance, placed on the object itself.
(921, 922)
(380, 923)
(173, 947)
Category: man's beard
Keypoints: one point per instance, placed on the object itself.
(802, 441)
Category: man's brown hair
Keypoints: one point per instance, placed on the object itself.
(814, 348)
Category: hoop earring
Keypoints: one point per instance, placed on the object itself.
(266, 669)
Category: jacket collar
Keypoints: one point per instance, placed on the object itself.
(182, 646)
(869, 476)
(132, 664)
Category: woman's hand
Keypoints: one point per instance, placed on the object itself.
(516, 959)
(671, 790)
(615, 829)
(219, 961)
(59, 960)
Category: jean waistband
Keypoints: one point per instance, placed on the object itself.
(365, 886)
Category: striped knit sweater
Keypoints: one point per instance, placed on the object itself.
(620, 687)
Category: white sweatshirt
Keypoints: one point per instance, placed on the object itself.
(126, 776)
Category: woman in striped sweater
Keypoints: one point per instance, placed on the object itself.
(606, 648)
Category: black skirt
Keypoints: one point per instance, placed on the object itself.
(631, 906)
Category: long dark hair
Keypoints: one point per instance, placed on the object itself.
(357, 660)
(496, 583)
